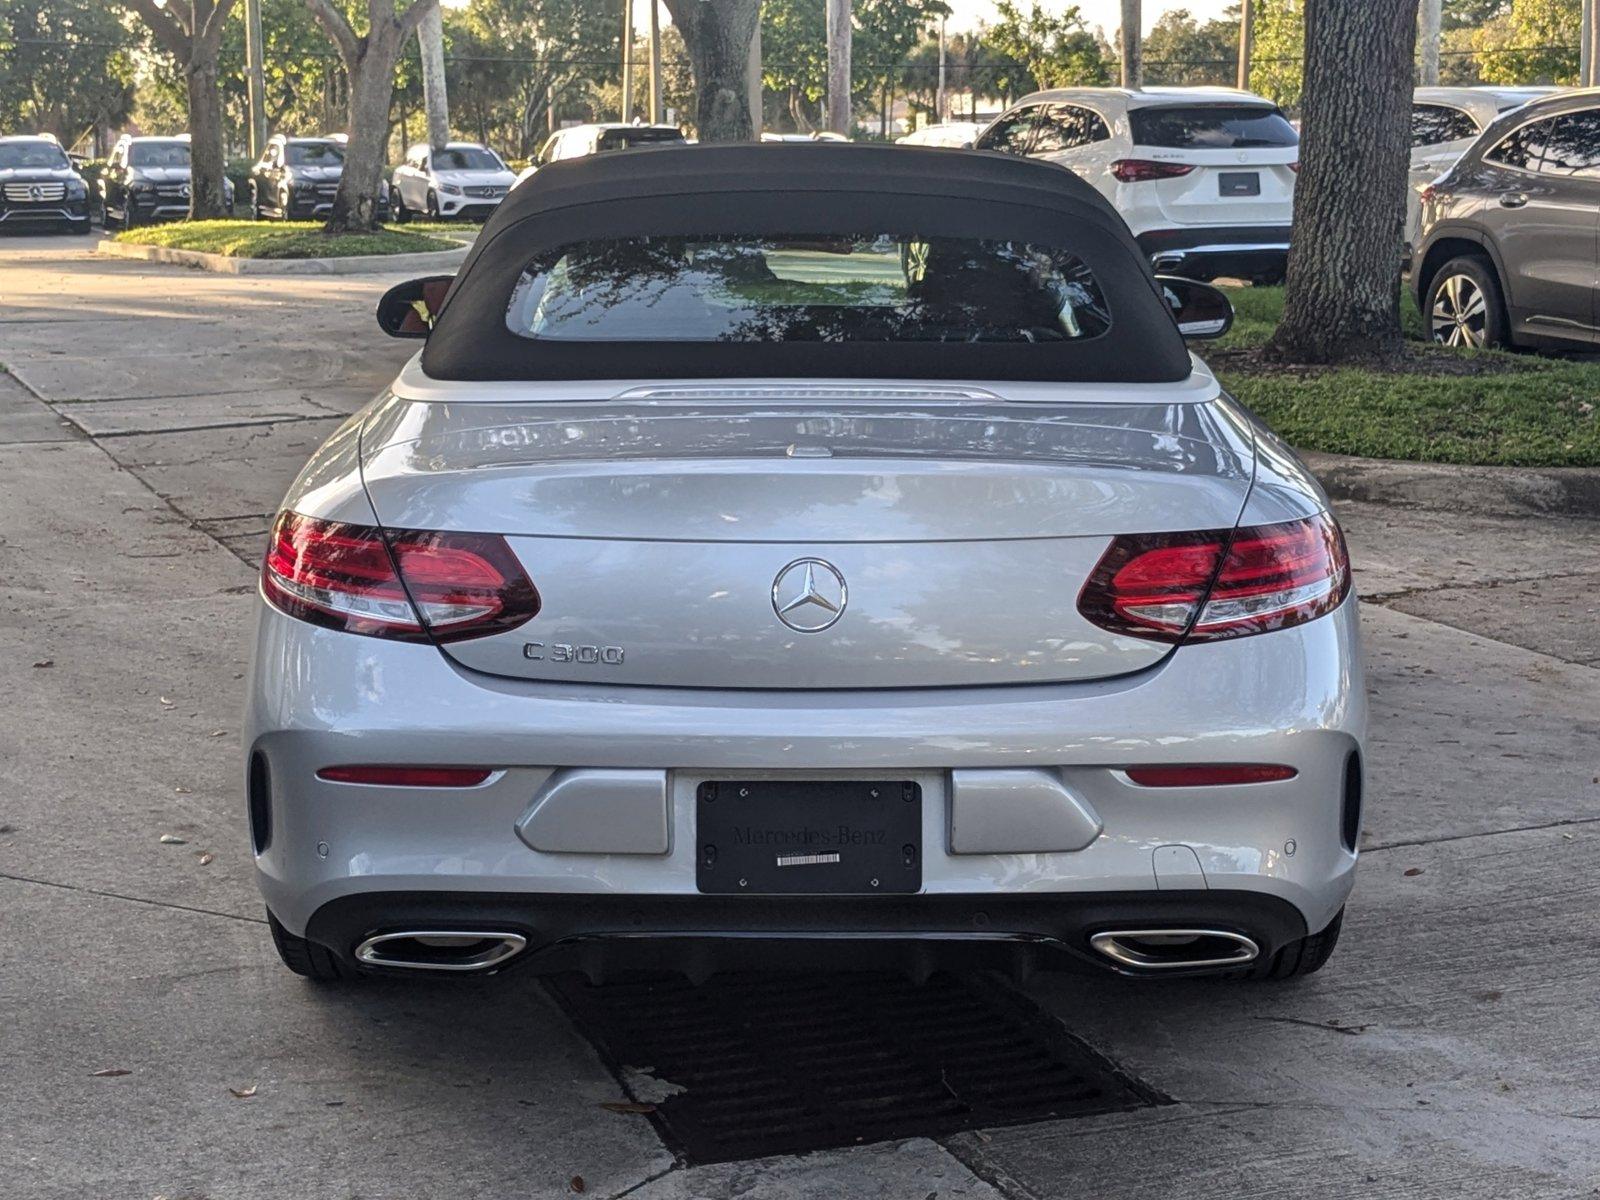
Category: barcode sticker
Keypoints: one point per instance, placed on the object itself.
(807, 860)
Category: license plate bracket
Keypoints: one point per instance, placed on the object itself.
(1239, 183)
(808, 837)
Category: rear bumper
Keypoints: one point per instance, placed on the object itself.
(1212, 251)
(320, 698)
(702, 935)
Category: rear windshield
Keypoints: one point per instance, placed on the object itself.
(807, 288)
(158, 154)
(466, 158)
(314, 154)
(1212, 127)
(622, 139)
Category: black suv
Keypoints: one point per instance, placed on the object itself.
(297, 178)
(1507, 253)
(39, 187)
(147, 179)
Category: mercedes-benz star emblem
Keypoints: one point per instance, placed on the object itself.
(809, 595)
(36, 193)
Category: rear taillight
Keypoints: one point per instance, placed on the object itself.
(1295, 167)
(410, 585)
(1172, 587)
(1137, 170)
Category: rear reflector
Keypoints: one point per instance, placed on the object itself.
(427, 777)
(404, 584)
(1209, 774)
(1138, 170)
(1218, 584)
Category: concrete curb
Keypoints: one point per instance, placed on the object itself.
(365, 264)
(1482, 491)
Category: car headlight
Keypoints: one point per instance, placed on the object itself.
(139, 186)
(450, 189)
(76, 189)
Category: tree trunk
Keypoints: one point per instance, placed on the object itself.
(1343, 297)
(371, 85)
(430, 37)
(207, 189)
(839, 30)
(1131, 47)
(717, 34)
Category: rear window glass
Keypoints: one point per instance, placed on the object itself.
(807, 288)
(1211, 127)
(1432, 124)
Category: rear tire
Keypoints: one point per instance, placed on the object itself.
(1302, 957)
(1464, 306)
(433, 206)
(307, 958)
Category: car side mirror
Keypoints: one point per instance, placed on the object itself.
(409, 309)
(1203, 312)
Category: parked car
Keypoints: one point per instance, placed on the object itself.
(1506, 252)
(463, 179)
(298, 177)
(38, 186)
(957, 135)
(1444, 122)
(1203, 176)
(805, 555)
(580, 141)
(148, 179)
(819, 135)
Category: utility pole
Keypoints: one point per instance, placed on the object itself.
(1586, 45)
(435, 102)
(752, 82)
(1131, 33)
(1247, 42)
(939, 102)
(839, 66)
(1429, 37)
(627, 61)
(655, 62)
(255, 81)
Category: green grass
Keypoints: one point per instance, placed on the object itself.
(1530, 412)
(288, 239)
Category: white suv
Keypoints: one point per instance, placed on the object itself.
(464, 179)
(1204, 177)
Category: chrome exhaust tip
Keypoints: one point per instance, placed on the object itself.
(1174, 949)
(1166, 261)
(441, 949)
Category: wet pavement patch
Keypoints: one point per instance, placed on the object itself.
(744, 1066)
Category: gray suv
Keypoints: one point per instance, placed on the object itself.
(1507, 253)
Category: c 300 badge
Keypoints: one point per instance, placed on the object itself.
(564, 652)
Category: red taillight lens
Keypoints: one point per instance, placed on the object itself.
(1211, 585)
(408, 584)
(1138, 170)
(1295, 167)
(429, 777)
(1209, 774)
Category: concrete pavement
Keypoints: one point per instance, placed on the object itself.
(150, 421)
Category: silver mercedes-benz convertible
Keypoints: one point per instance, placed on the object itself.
(800, 556)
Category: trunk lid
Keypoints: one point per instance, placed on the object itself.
(802, 537)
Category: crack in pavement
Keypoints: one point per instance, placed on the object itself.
(1463, 837)
(269, 419)
(105, 895)
(1384, 598)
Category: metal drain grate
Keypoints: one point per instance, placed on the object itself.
(779, 1064)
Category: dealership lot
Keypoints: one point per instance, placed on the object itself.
(151, 421)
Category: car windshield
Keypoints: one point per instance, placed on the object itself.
(158, 154)
(466, 158)
(39, 155)
(314, 154)
(807, 288)
(1212, 127)
(622, 139)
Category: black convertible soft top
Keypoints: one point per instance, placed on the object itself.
(804, 188)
